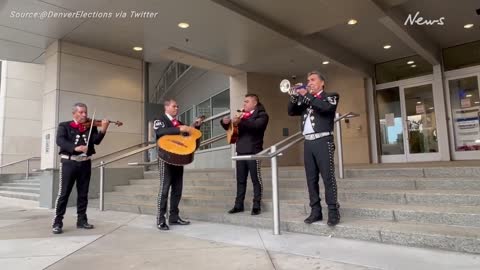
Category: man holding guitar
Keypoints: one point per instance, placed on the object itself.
(170, 175)
(251, 125)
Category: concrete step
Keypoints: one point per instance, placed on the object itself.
(34, 190)
(415, 172)
(403, 183)
(413, 197)
(32, 185)
(452, 238)
(285, 193)
(24, 181)
(453, 215)
(20, 195)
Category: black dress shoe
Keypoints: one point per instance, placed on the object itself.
(313, 218)
(179, 221)
(57, 229)
(256, 211)
(333, 217)
(235, 210)
(163, 226)
(84, 225)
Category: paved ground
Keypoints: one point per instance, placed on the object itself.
(131, 241)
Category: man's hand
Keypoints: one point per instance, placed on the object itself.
(81, 148)
(105, 124)
(302, 92)
(184, 129)
(198, 122)
(236, 120)
(226, 120)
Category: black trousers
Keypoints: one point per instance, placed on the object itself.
(319, 158)
(243, 168)
(170, 176)
(70, 172)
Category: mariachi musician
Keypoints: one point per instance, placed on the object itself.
(317, 110)
(76, 140)
(171, 175)
(251, 124)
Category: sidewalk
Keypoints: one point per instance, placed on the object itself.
(131, 241)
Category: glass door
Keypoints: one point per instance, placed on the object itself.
(464, 108)
(407, 122)
(420, 124)
(390, 121)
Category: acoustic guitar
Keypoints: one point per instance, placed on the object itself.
(232, 131)
(178, 149)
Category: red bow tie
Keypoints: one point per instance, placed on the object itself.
(175, 122)
(246, 115)
(78, 126)
(318, 95)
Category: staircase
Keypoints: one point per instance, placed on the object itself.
(18, 188)
(421, 207)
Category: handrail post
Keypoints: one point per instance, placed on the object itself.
(276, 208)
(28, 169)
(338, 126)
(102, 179)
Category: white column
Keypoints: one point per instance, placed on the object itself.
(51, 93)
(440, 112)
(372, 119)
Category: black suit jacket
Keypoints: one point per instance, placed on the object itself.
(322, 110)
(251, 132)
(163, 126)
(68, 138)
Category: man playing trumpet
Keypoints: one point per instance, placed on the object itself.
(251, 129)
(317, 109)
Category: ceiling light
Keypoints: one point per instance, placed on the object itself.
(183, 25)
(477, 102)
(386, 47)
(468, 26)
(352, 22)
(137, 49)
(413, 66)
(431, 108)
(419, 102)
(325, 62)
(469, 95)
(410, 62)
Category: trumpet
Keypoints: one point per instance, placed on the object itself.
(286, 87)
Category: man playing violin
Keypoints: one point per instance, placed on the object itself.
(76, 149)
(252, 124)
(171, 176)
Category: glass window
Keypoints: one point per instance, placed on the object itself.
(400, 69)
(465, 106)
(390, 118)
(461, 56)
(204, 109)
(220, 103)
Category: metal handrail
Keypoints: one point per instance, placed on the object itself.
(148, 147)
(274, 153)
(123, 149)
(18, 161)
(27, 173)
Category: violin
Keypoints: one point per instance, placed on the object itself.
(98, 123)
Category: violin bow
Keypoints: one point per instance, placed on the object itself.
(91, 127)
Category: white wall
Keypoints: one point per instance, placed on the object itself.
(109, 84)
(20, 111)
